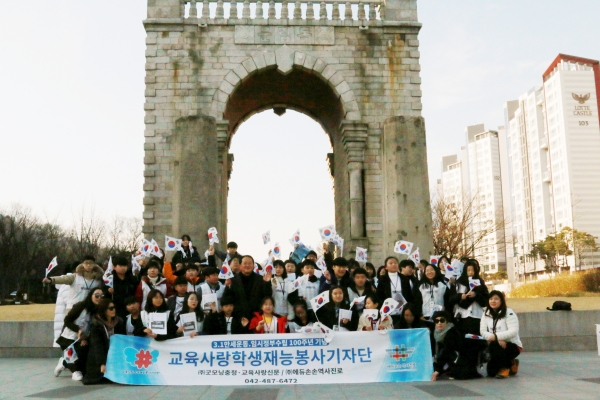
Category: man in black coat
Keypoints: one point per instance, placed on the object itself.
(124, 285)
(248, 289)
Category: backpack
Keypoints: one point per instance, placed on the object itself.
(560, 306)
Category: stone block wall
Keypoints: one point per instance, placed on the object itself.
(373, 75)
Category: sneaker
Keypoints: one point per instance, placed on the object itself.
(503, 373)
(60, 367)
(514, 368)
(77, 376)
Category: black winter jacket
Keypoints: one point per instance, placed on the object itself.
(215, 324)
(98, 349)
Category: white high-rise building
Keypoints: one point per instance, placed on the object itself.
(529, 180)
(572, 90)
(485, 189)
(452, 180)
(553, 148)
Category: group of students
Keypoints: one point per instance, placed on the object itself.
(468, 325)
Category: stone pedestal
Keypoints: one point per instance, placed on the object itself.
(196, 176)
(407, 209)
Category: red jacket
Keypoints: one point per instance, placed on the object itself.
(281, 323)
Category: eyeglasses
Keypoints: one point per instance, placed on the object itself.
(440, 320)
(98, 295)
(111, 308)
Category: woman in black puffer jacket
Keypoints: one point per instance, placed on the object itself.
(105, 323)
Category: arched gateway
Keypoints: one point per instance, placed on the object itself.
(358, 77)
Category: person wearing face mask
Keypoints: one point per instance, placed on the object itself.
(469, 302)
(447, 344)
(77, 328)
(105, 323)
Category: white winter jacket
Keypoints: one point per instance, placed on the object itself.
(60, 311)
(506, 329)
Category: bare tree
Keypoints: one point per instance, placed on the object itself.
(124, 235)
(464, 227)
(87, 234)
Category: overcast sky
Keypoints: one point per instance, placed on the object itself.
(72, 94)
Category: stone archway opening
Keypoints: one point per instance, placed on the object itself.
(280, 181)
(298, 90)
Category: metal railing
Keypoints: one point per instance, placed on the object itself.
(305, 10)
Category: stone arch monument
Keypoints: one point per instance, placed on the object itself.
(353, 67)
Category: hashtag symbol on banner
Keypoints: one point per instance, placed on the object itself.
(144, 359)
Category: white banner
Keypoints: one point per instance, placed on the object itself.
(272, 359)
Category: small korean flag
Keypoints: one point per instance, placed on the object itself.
(474, 337)
(295, 238)
(473, 283)
(309, 329)
(403, 247)
(458, 267)
(415, 256)
(70, 355)
(324, 330)
(327, 232)
(361, 255)
(389, 305)
(277, 251)
(358, 300)
(268, 269)
(172, 244)
(451, 272)
(146, 246)
(298, 282)
(319, 301)
(225, 272)
(213, 236)
(258, 269)
(434, 260)
(321, 264)
(266, 237)
(108, 280)
(135, 267)
(155, 249)
(109, 268)
(51, 266)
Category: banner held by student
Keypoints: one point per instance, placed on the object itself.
(351, 357)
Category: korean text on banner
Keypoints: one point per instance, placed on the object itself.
(273, 359)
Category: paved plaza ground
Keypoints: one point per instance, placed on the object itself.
(560, 375)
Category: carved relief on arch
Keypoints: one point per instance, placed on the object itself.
(285, 59)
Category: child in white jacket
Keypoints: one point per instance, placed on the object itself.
(500, 327)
